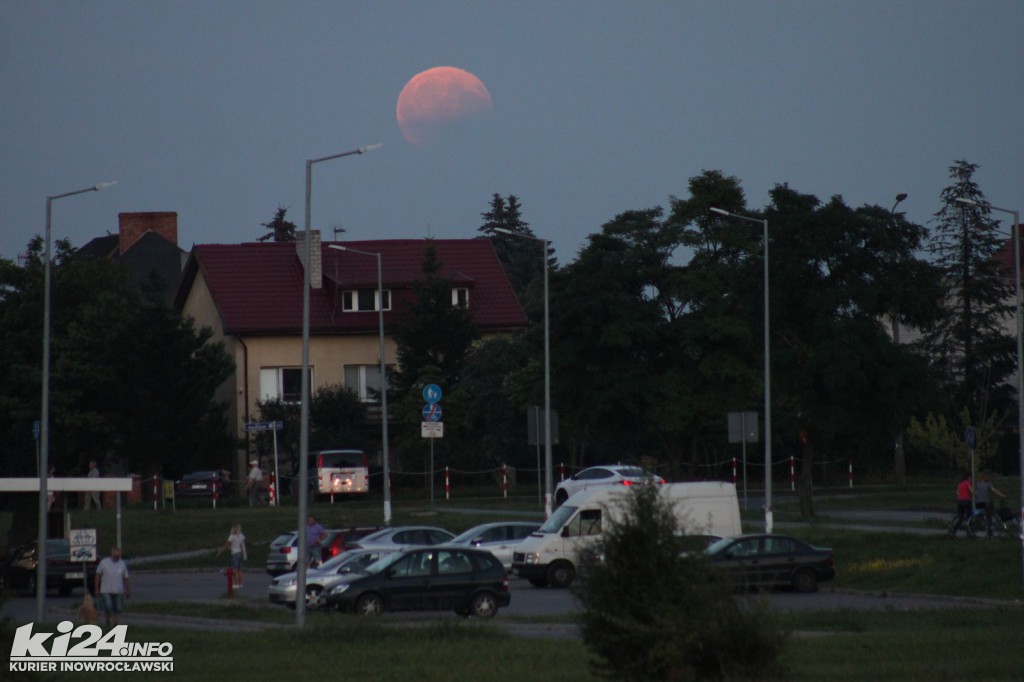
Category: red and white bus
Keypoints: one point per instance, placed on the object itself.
(340, 472)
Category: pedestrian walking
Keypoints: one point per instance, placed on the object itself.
(93, 496)
(236, 543)
(964, 492)
(254, 484)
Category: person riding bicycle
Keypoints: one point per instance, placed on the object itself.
(964, 491)
(982, 497)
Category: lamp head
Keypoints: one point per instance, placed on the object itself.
(370, 147)
(104, 185)
(719, 211)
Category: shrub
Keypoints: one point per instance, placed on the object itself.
(652, 611)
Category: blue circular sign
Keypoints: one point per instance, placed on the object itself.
(432, 412)
(432, 393)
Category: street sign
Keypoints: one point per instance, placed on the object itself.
(264, 426)
(432, 429)
(432, 412)
(743, 427)
(432, 393)
(83, 544)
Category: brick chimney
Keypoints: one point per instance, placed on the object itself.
(316, 270)
(133, 225)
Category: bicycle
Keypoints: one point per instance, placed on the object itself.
(1004, 524)
(951, 527)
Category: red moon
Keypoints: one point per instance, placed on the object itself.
(437, 97)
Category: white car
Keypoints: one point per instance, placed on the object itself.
(403, 537)
(282, 588)
(613, 474)
(497, 538)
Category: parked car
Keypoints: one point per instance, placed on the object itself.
(773, 561)
(285, 547)
(282, 588)
(500, 538)
(18, 569)
(472, 582)
(616, 474)
(200, 484)
(403, 537)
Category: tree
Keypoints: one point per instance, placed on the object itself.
(280, 229)
(520, 257)
(685, 624)
(968, 346)
(131, 385)
(432, 331)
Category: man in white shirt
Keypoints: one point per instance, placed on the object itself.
(93, 497)
(254, 484)
(112, 586)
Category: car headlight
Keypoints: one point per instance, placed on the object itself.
(532, 558)
(291, 582)
(338, 589)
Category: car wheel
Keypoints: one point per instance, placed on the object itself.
(370, 605)
(561, 574)
(538, 582)
(484, 605)
(560, 497)
(314, 594)
(805, 580)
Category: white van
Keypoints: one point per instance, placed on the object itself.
(548, 556)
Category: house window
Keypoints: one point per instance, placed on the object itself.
(364, 380)
(283, 383)
(363, 300)
(460, 297)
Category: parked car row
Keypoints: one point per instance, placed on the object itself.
(64, 573)
(284, 549)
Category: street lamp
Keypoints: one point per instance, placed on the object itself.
(547, 370)
(44, 427)
(300, 600)
(767, 375)
(900, 462)
(1015, 235)
(383, 378)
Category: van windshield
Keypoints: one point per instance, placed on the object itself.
(557, 519)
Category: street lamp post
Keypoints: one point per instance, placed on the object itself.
(1015, 235)
(899, 461)
(300, 594)
(548, 477)
(44, 435)
(767, 375)
(383, 378)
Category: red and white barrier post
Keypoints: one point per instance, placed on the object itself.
(561, 471)
(155, 493)
(504, 481)
(850, 472)
(734, 471)
(272, 490)
(792, 473)
(447, 484)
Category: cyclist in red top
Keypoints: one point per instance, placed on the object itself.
(964, 492)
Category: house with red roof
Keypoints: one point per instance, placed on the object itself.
(250, 296)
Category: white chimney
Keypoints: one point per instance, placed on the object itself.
(316, 270)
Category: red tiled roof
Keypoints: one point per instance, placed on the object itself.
(257, 287)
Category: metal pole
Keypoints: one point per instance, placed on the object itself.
(300, 601)
(767, 373)
(383, 396)
(44, 443)
(547, 388)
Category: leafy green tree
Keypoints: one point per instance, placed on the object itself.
(279, 229)
(969, 346)
(685, 623)
(131, 384)
(520, 257)
(431, 331)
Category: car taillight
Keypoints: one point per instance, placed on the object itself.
(504, 584)
(334, 551)
(286, 550)
(627, 482)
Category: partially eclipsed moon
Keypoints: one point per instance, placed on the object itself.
(437, 97)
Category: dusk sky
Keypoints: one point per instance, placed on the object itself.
(211, 109)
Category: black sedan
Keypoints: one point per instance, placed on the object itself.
(200, 484)
(18, 568)
(471, 582)
(773, 561)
